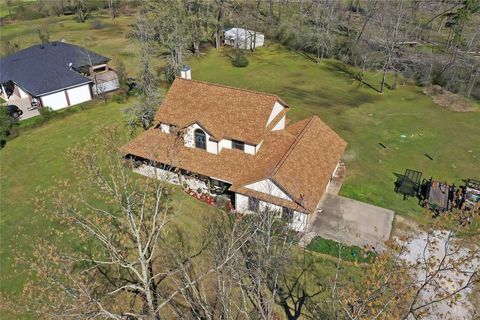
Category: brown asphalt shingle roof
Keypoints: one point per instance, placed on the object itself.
(226, 112)
(306, 168)
(155, 145)
(230, 165)
(300, 159)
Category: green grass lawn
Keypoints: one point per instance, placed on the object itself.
(347, 253)
(33, 162)
(405, 120)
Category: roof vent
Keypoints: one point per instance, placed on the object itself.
(70, 65)
(42, 47)
(54, 44)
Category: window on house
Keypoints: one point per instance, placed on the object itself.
(253, 204)
(287, 214)
(200, 139)
(238, 145)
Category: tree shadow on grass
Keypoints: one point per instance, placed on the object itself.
(307, 56)
(337, 102)
(349, 71)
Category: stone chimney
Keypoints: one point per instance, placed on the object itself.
(186, 72)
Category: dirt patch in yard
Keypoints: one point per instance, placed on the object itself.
(447, 99)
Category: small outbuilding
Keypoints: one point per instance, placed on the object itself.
(243, 39)
(55, 75)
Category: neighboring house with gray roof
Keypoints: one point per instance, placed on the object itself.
(56, 74)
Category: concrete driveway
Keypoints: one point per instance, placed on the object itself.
(351, 222)
(24, 104)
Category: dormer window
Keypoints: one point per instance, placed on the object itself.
(200, 139)
(239, 145)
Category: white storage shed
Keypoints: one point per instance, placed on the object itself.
(244, 39)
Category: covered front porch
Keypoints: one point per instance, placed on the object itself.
(197, 185)
(213, 191)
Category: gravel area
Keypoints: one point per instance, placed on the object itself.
(448, 280)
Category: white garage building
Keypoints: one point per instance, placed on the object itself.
(56, 74)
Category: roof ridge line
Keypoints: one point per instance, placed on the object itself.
(234, 88)
(290, 149)
(287, 154)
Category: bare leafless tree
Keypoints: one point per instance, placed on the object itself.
(115, 255)
(320, 39)
(217, 298)
(142, 114)
(112, 8)
(263, 263)
(390, 18)
(174, 33)
(123, 264)
(413, 278)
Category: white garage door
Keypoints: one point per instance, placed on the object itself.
(55, 101)
(79, 94)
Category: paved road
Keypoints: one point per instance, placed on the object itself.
(351, 222)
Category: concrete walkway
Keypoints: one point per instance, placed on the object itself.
(350, 222)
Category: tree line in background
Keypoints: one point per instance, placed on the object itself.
(81, 9)
(115, 251)
(429, 42)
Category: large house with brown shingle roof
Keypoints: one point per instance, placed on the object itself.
(236, 142)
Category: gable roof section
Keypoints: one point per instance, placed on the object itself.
(226, 112)
(305, 169)
(299, 159)
(165, 148)
(45, 67)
